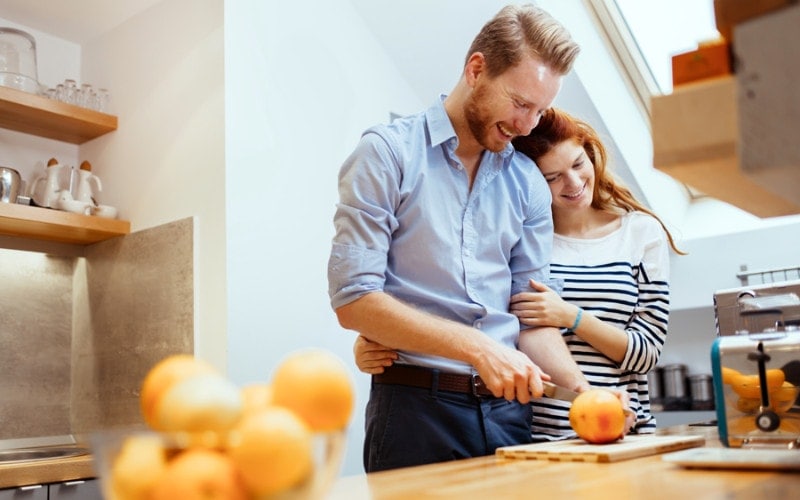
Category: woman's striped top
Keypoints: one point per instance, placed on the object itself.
(620, 278)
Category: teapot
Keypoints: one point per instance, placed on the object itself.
(47, 196)
(85, 178)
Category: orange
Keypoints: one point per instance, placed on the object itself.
(596, 415)
(256, 396)
(137, 467)
(200, 474)
(162, 376)
(784, 397)
(728, 374)
(748, 405)
(272, 449)
(749, 386)
(317, 386)
(199, 403)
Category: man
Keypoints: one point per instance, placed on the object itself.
(438, 223)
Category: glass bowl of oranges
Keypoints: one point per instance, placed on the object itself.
(204, 437)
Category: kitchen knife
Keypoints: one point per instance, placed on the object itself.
(554, 391)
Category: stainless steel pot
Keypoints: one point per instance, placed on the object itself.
(10, 185)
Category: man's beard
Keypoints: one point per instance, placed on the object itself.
(477, 116)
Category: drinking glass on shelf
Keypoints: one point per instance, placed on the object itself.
(102, 99)
(70, 91)
(85, 96)
(59, 94)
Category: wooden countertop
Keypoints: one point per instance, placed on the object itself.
(46, 471)
(499, 478)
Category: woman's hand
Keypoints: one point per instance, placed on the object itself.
(630, 415)
(543, 307)
(372, 357)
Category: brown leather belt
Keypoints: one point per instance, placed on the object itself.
(427, 378)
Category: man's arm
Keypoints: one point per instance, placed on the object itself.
(546, 347)
(383, 319)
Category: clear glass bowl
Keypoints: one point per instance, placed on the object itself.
(328, 453)
(18, 60)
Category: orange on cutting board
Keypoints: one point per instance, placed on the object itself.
(597, 416)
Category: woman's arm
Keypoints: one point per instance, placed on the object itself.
(544, 307)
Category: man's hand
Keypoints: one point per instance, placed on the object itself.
(509, 373)
(372, 357)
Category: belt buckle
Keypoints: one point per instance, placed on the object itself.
(476, 382)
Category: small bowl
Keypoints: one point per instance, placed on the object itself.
(105, 211)
(74, 206)
(328, 450)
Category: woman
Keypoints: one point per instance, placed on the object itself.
(612, 254)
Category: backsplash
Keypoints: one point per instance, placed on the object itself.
(35, 338)
(78, 334)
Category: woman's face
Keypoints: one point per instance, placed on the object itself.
(570, 175)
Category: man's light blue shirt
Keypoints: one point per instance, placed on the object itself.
(408, 224)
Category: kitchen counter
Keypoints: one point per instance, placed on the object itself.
(46, 471)
(70, 466)
(499, 478)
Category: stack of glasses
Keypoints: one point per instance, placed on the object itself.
(84, 96)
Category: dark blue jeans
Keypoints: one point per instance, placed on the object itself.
(408, 426)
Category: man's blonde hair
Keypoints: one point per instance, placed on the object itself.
(520, 30)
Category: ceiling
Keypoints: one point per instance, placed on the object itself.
(74, 20)
(431, 55)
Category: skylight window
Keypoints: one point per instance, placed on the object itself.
(663, 28)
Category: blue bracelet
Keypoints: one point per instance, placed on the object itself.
(577, 319)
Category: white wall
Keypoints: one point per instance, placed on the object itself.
(710, 266)
(57, 60)
(164, 69)
(301, 85)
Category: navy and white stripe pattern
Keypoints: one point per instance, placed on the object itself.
(622, 279)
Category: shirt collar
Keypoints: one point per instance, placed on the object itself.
(441, 128)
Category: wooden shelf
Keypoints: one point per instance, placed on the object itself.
(37, 115)
(55, 225)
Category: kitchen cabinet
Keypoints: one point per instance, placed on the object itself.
(32, 492)
(84, 489)
(43, 117)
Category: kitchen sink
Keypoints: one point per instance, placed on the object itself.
(43, 453)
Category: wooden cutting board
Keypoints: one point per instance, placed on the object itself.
(578, 450)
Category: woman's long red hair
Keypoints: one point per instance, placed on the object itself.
(557, 126)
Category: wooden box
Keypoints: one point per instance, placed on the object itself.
(707, 61)
(729, 13)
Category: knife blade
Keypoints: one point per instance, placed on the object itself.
(554, 391)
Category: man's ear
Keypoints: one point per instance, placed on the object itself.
(476, 66)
